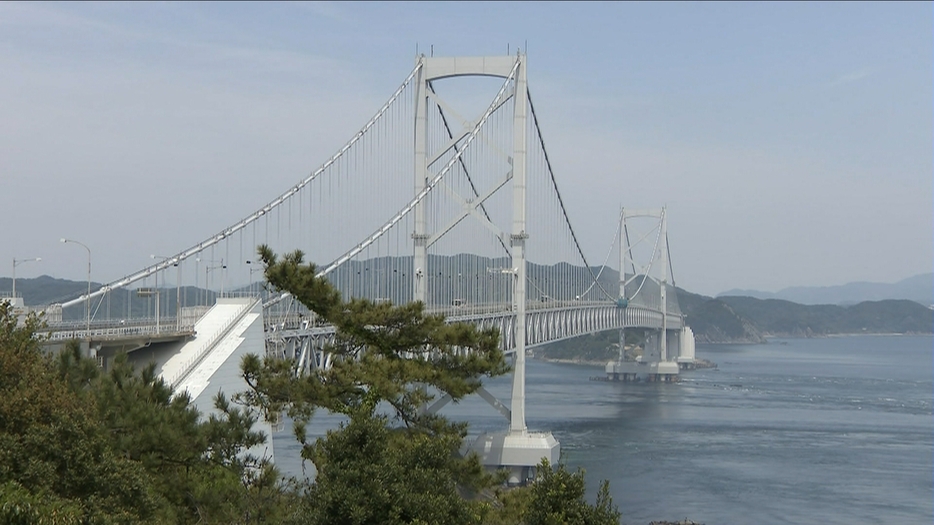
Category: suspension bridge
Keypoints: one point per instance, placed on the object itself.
(446, 196)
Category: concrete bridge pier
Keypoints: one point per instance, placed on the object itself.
(517, 450)
(654, 365)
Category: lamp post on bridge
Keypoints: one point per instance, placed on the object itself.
(178, 289)
(207, 271)
(157, 293)
(252, 271)
(17, 262)
(197, 271)
(148, 292)
(88, 302)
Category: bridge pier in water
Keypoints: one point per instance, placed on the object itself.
(669, 347)
(516, 449)
(650, 367)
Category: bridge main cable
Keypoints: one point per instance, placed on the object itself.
(554, 183)
(217, 238)
(421, 195)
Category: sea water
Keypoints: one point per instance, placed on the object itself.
(832, 431)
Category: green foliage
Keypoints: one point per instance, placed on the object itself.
(396, 355)
(52, 446)
(558, 498)
(371, 473)
(197, 467)
(598, 347)
(81, 446)
(509, 506)
(397, 468)
(403, 468)
(784, 318)
(716, 321)
(746, 319)
(19, 506)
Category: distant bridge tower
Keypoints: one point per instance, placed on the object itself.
(647, 284)
(517, 449)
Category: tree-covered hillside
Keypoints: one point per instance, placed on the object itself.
(786, 319)
(750, 320)
(722, 319)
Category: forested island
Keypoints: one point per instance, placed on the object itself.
(750, 320)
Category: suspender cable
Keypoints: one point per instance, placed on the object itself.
(253, 217)
(560, 200)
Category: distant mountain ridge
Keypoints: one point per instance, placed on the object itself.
(44, 290)
(724, 319)
(739, 319)
(919, 288)
(748, 320)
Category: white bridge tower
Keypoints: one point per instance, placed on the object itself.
(517, 449)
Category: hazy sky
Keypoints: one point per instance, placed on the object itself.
(792, 143)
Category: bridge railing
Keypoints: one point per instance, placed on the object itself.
(480, 310)
(239, 294)
(294, 324)
(116, 331)
(63, 330)
(110, 323)
(209, 343)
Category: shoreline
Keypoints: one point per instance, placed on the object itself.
(769, 337)
(699, 363)
(858, 334)
(565, 361)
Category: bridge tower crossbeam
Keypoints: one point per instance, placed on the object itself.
(516, 449)
(657, 363)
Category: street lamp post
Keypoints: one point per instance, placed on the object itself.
(88, 302)
(178, 289)
(223, 276)
(17, 262)
(158, 306)
(197, 290)
(207, 271)
(252, 271)
(178, 296)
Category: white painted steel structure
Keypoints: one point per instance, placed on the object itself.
(476, 229)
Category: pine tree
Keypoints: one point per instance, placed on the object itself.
(81, 446)
(558, 498)
(56, 462)
(390, 463)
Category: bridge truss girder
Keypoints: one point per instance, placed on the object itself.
(308, 346)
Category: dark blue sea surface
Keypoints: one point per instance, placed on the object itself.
(832, 431)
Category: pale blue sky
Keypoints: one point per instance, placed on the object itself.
(791, 142)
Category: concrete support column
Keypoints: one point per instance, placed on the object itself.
(420, 169)
(622, 281)
(663, 259)
(518, 240)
